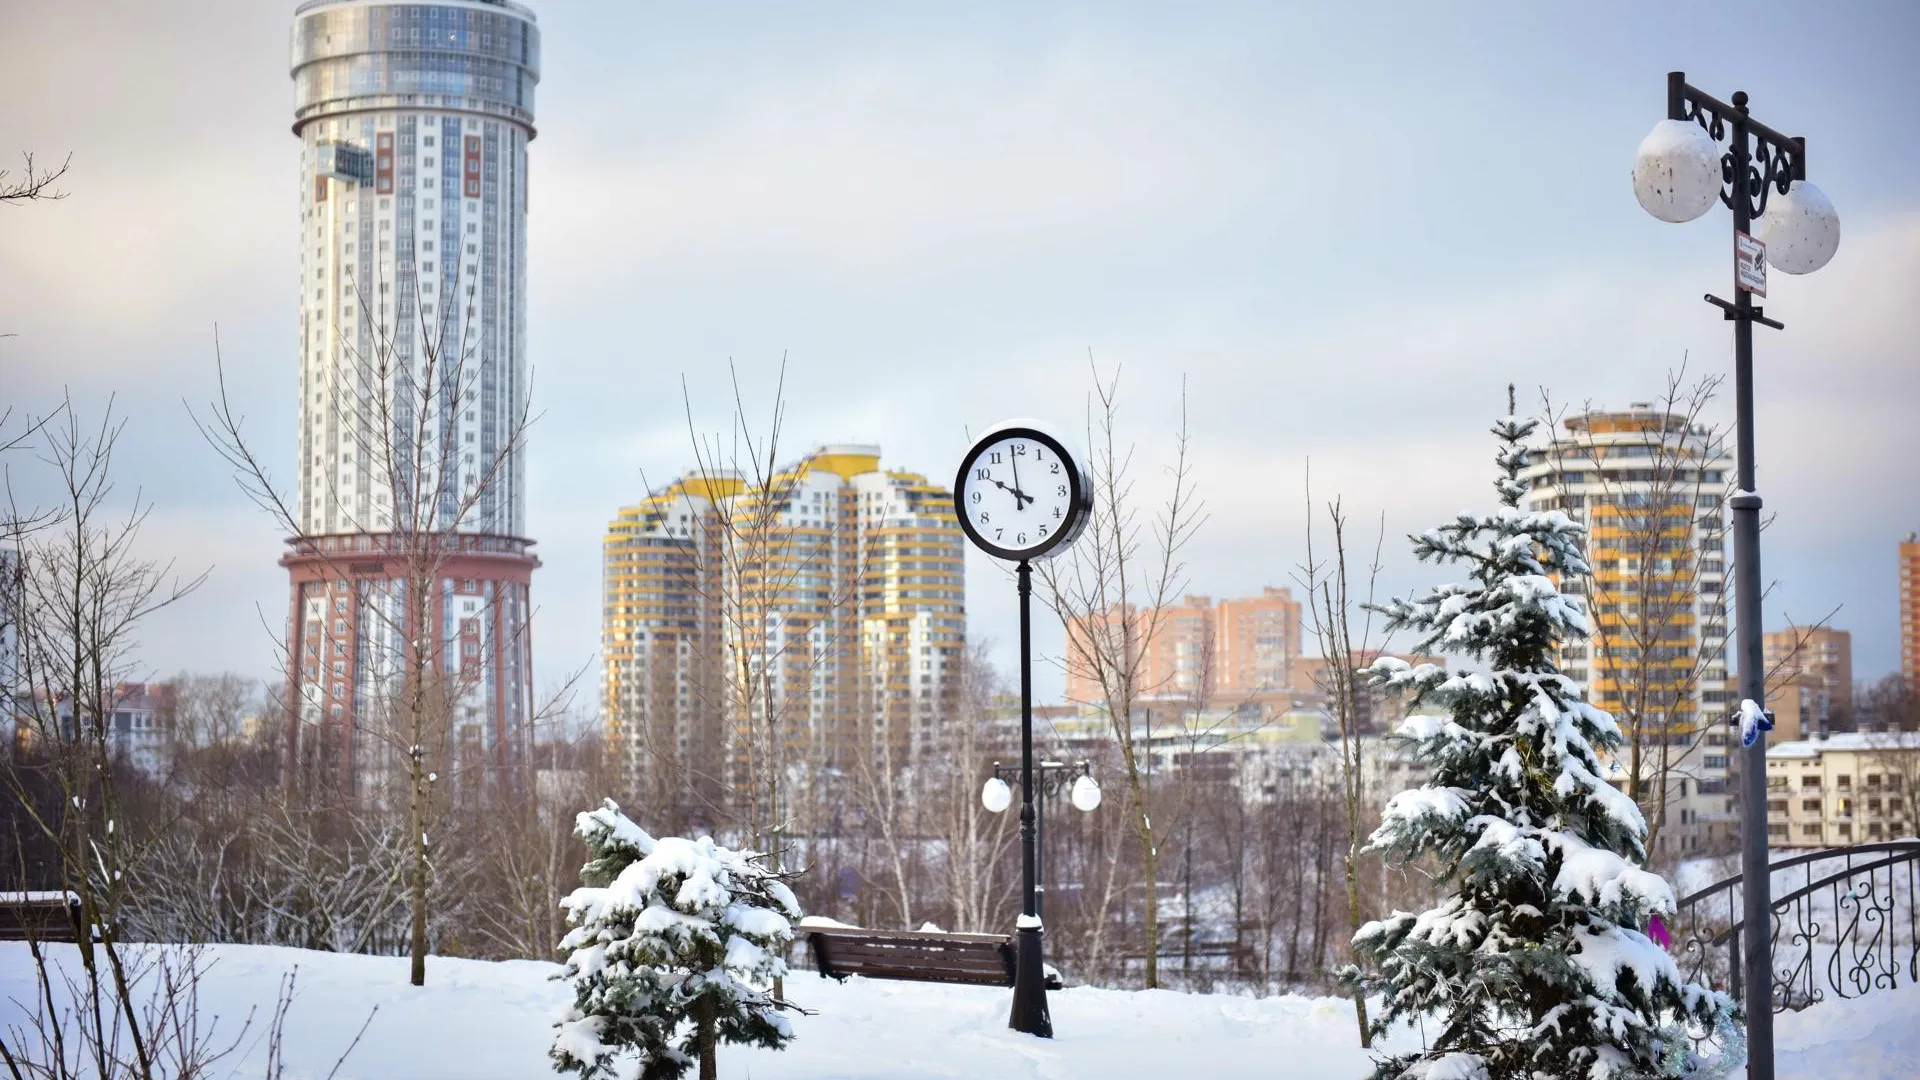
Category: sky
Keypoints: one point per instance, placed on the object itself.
(1342, 229)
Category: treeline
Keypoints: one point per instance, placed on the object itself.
(222, 849)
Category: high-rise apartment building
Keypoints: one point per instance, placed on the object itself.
(1818, 661)
(836, 590)
(1649, 485)
(1910, 609)
(1210, 652)
(662, 658)
(413, 121)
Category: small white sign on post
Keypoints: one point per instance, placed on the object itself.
(1750, 264)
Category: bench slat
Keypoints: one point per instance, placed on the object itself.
(906, 955)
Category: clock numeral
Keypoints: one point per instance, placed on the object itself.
(981, 474)
(994, 457)
(1055, 468)
(1056, 511)
(1019, 449)
(1020, 539)
(997, 532)
(1039, 453)
(1061, 491)
(976, 496)
(1043, 530)
(985, 517)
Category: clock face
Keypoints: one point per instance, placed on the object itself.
(1019, 494)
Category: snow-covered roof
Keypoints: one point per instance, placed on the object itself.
(1852, 741)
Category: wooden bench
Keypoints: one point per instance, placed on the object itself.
(913, 955)
(43, 916)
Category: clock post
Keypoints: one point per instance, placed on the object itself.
(1020, 518)
(1029, 978)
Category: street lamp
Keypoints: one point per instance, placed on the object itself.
(1051, 778)
(1679, 174)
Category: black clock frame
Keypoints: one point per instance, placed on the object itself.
(1079, 491)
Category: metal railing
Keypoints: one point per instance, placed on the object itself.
(1845, 920)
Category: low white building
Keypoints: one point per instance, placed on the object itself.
(136, 727)
(1850, 788)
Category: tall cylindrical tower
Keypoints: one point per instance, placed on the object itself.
(411, 562)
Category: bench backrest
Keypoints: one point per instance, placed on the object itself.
(45, 919)
(920, 957)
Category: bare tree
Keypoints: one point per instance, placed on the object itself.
(1330, 600)
(784, 604)
(886, 791)
(78, 593)
(399, 384)
(210, 710)
(1890, 704)
(1111, 590)
(973, 842)
(34, 183)
(1655, 595)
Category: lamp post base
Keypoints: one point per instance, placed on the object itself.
(1029, 986)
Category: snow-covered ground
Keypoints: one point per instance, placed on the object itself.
(476, 1021)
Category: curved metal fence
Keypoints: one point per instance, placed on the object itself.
(1845, 921)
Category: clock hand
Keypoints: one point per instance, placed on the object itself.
(1017, 494)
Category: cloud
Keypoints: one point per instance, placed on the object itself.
(1346, 239)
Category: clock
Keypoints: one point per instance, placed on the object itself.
(1020, 495)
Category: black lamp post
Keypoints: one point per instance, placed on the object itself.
(1050, 778)
(1680, 173)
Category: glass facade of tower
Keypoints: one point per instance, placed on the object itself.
(414, 122)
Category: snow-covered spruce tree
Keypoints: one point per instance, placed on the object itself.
(674, 945)
(1536, 965)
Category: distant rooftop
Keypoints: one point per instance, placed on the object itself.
(1856, 741)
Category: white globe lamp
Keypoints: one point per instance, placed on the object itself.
(1085, 794)
(996, 796)
(1676, 175)
(1801, 229)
